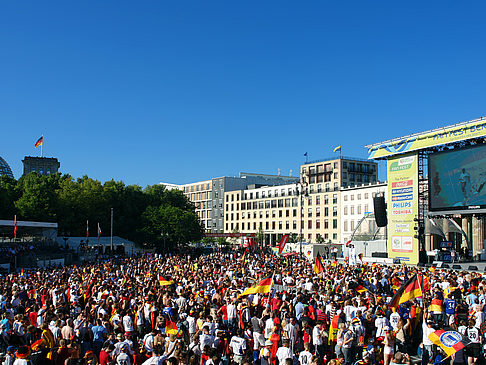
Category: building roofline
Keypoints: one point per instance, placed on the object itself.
(344, 158)
(423, 133)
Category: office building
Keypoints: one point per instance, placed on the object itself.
(41, 165)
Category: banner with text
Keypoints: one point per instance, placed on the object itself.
(402, 208)
(473, 129)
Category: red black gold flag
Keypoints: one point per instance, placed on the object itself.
(318, 266)
(361, 289)
(410, 290)
(449, 341)
(163, 281)
(39, 142)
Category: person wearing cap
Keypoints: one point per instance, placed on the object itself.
(122, 358)
(266, 353)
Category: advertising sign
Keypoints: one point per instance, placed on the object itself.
(473, 129)
(402, 208)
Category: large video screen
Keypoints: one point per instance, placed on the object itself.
(457, 180)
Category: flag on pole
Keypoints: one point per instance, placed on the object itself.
(282, 244)
(164, 282)
(305, 154)
(410, 290)
(318, 267)
(39, 142)
(263, 287)
(99, 231)
(449, 341)
(87, 231)
(336, 149)
(15, 226)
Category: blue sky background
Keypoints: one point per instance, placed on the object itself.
(181, 91)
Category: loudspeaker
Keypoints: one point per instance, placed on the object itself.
(380, 211)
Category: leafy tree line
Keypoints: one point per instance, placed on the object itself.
(152, 215)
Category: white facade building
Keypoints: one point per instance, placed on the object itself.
(356, 202)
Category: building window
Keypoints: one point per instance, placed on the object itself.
(319, 188)
(318, 212)
(326, 212)
(359, 209)
(334, 211)
(326, 199)
(326, 224)
(309, 224)
(309, 201)
(334, 223)
(318, 224)
(294, 225)
(318, 200)
(334, 236)
(345, 226)
(309, 212)
(334, 198)
(345, 210)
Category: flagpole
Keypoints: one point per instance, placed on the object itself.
(42, 145)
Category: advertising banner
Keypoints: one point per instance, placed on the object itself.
(403, 208)
(438, 137)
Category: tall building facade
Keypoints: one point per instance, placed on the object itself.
(41, 165)
(200, 193)
(310, 207)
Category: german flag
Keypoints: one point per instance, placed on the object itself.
(449, 341)
(318, 267)
(262, 287)
(424, 282)
(163, 281)
(334, 264)
(361, 289)
(435, 306)
(39, 142)
(171, 328)
(396, 283)
(333, 329)
(410, 290)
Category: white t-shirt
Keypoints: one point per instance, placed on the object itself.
(394, 319)
(231, 310)
(284, 353)
(238, 345)
(380, 324)
(305, 358)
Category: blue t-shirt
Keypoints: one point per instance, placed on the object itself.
(404, 312)
(450, 306)
(98, 333)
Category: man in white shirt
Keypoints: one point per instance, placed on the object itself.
(238, 347)
(284, 352)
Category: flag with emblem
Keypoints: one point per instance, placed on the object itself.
(449, 341)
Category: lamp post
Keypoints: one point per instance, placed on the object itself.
(302, 192)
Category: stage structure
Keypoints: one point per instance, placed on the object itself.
(439, 173)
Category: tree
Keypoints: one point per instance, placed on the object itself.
(260, 237)
(8, 195)
(319, 239)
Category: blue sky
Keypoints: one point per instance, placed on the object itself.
(182, 91)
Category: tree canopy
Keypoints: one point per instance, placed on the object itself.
(154, 215)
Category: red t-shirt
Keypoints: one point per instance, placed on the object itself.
(224, 310)
(276, 303)
(33, 318)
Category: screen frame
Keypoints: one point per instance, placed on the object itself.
(471, 209)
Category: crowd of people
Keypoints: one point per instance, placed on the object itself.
(182, 309)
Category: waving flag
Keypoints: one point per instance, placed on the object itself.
(449, 341)
(15, 227)
(410, 290)
(163, 281)
(263, 287)
(171, 328)
(99, 231)
(318, 267)
(361, 289)
(39, 142)
(336, 149)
